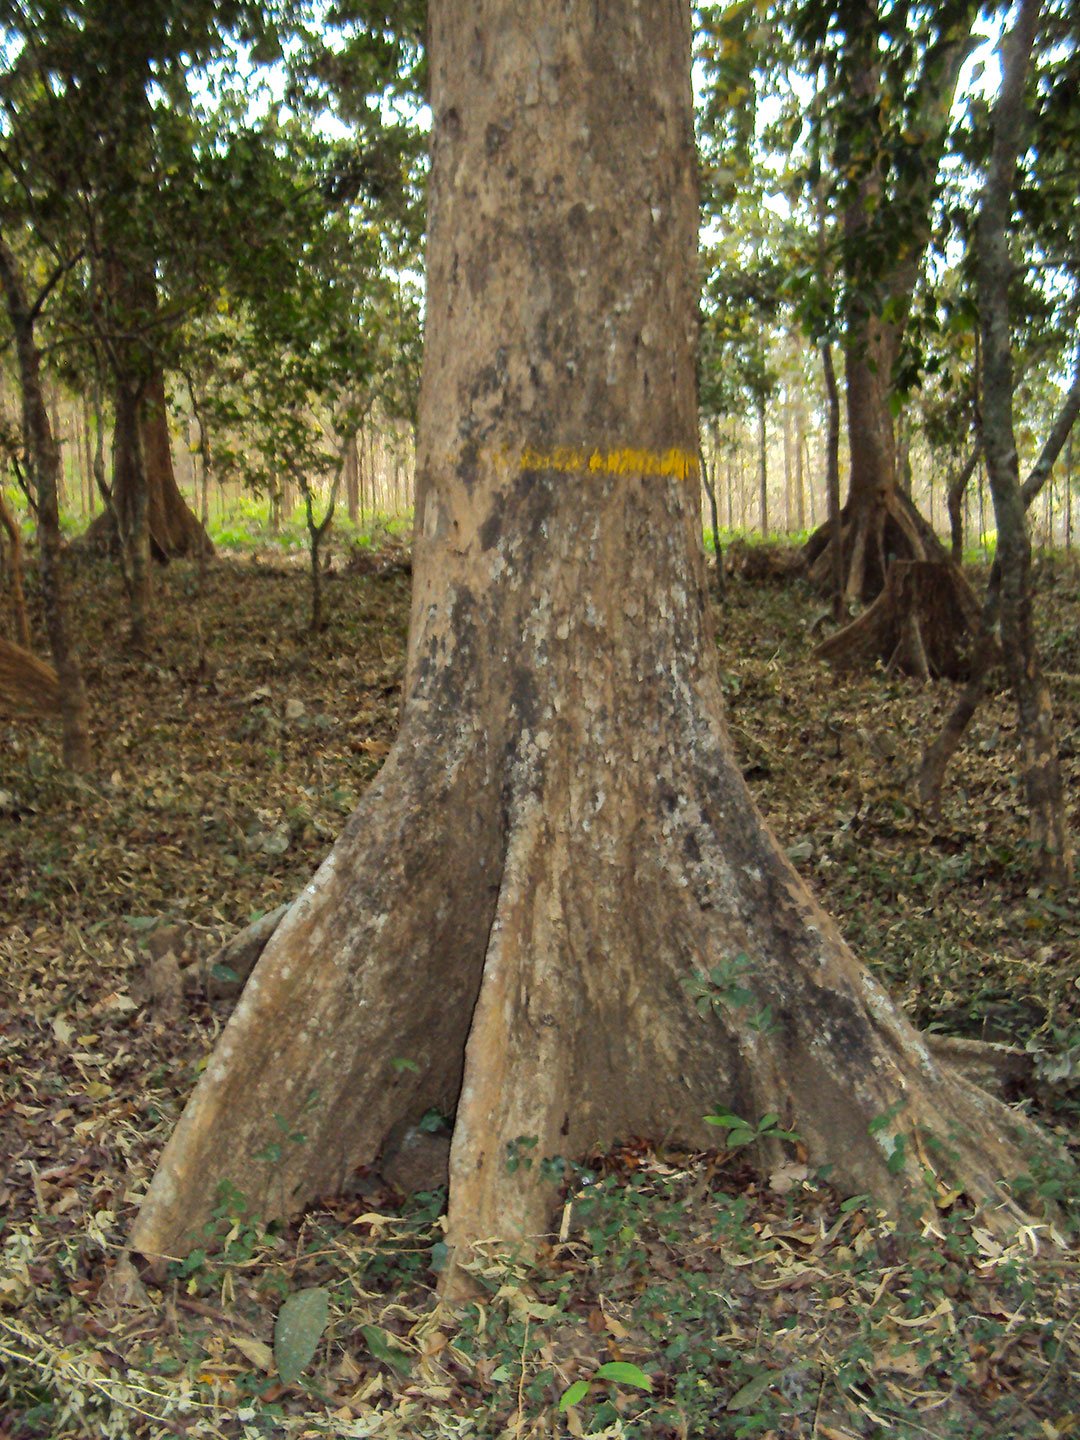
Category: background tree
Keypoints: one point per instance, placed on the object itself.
(41, 468)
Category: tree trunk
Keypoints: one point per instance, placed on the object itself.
(986, 651)
(708, 480)
(45, 463)
(129, 510)
(560, 853)
(800, 473)
(832, 481)
(880, 522)
(1041, 769)
(18, 593)
(763, 469)
(957, 489)
(148, 481)
(352, 481)
(789, 469)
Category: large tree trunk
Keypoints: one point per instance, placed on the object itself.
(559, 859)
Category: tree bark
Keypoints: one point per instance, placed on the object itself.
(18, 593)
(957, 488)
(144, 478)
(560, 847)
(1040, 765)
(832, 481)
(936, 758)
(763, 468)
(45, 464)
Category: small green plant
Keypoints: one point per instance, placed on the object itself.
(744, 1132)
(722, 988)
(518, 1153)
(615, 1372)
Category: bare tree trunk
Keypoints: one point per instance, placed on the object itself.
(88, 462)
(789, 469)
(708, 479)
(560, 849)
(800, 473)
(146, 481)
(18, 593)
(131, 510)
(936, 758)
(763, 468)
(44, 459)
(352, 485)
(832, 476)
(957, 489)
(1042, 773)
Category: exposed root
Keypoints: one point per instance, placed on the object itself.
(28, 686)
(875, 531)
(469, 946)
(923, 623)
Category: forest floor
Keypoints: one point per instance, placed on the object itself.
(687, 1295)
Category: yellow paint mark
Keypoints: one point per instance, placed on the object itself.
(683, 464)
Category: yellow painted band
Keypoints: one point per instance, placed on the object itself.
(683, 464)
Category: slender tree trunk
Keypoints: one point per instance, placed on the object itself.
(560, 848)
(730, 475)
(88, 462)
(937, 756)
(131, 507)
(800, 473)
(54, 423)
(957, 490)
(832, 478)
(763, 469)
(708, 478)
(18, 593)
(1042, 773)
(45, 460)
(352, 481)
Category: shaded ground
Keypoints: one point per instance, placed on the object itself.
(754, 1304)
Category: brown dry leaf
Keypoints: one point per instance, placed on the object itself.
(258, 1352)
(900, 1362)
(786, 1178)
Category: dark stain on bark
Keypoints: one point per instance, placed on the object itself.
(492, 527)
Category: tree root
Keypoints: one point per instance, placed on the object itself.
(28, 686)
(468, 946)
(875, 531)
(922, 623)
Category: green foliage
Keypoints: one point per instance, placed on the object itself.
(744, 1132)
(615, 1372)
(721, 989)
